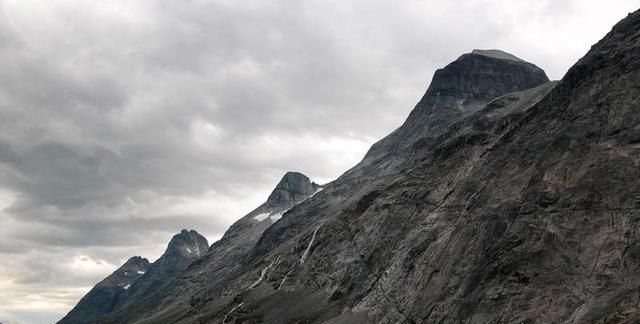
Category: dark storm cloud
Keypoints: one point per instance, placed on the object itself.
(122, 122)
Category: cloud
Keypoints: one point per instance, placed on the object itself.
(122, 122)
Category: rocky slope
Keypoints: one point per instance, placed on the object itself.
(103, 298)
(462, 87)
(502, 199)
(212, 284)
(191, 249)
(137, 278)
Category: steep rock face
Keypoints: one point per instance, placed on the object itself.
(138, 278)
(236, 265)
(516, 214)
(183, 249)
(214, 267)
(278, 264)
(293, 188)
(104, 297)
(521, 209)
(462, 87)
(523, 212)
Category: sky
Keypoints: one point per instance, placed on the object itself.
(122, 122)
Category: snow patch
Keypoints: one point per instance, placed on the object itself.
(264, 272)
(262, 216)
(224, 320)
(126, 287)
(140, 272)
(189, 250)
(306, 252)
(275, 217)
(285, 278)
(315, 192)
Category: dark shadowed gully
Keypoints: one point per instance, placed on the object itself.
(504, 198)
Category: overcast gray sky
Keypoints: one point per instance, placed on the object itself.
(123, 121)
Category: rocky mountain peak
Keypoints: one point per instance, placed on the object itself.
(130, 270)
(479, 209)
(292, 188)
(136, 261)
(188, 243)
(462, 87)
(133, 268)
(483, 75)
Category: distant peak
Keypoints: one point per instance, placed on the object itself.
(292, 188)
(137, 260)
(495, 53)
(292, 177)
(189, 241)
(188, 234)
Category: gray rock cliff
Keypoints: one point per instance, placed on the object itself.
(504, 198)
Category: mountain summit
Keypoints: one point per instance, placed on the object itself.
(498, 54)
(293, 188)
(186, 245)
(461, 88)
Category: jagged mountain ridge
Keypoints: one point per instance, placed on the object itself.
(104, 296)
(196, 278)
(137, 278)
(187, 247)
(522, 210)
(493, 226)
(232, 258)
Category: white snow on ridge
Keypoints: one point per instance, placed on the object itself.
(269, 215)
(262, 216)
(126, 287)
(275, 217)
(315, 192)
(140, 272)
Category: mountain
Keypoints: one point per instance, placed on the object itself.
(138, 278)
(460, 88)
(105, 295)
(503, 198)
(189, 248)
(212, 284)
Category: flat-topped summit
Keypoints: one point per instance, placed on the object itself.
(495, 53)
(462, 87)
(479, 76)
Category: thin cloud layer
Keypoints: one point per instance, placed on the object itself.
(122, 122)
